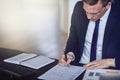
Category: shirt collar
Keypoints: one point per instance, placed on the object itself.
(105, 16)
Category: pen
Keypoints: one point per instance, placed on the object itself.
(68, 65)
(66, 61)
(66, 58)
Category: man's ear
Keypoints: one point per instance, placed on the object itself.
(108, 5)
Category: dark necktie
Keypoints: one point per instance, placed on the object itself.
(94, 41)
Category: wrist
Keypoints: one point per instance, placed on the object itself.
(111, 62)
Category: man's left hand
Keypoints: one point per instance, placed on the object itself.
(104, 63)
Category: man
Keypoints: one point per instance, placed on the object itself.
(79, 45)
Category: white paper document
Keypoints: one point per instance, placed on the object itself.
(20, 58)
(104, 73)
(62, 73)
(37, 62)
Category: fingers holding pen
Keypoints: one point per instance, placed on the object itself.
(69, 58)
(65, 59)
(62, 60)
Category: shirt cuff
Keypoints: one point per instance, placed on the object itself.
(71, 53)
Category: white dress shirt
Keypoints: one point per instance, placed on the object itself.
(88, 40)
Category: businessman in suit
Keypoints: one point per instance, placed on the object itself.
(104, 50)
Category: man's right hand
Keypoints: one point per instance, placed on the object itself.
(65, 60)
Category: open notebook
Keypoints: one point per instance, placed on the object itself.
(30, 60)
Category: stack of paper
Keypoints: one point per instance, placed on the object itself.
(62, 73)
(30, 60)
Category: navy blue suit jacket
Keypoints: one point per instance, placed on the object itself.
(111, 41)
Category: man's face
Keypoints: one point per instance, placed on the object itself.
(94, 12)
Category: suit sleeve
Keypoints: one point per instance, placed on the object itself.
(73, 40)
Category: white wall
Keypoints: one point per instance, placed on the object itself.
(30, 25)
(71, 4)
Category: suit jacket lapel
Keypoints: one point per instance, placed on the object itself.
(82, 33)
(82, 24)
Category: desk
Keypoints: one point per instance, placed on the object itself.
(10, 71)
